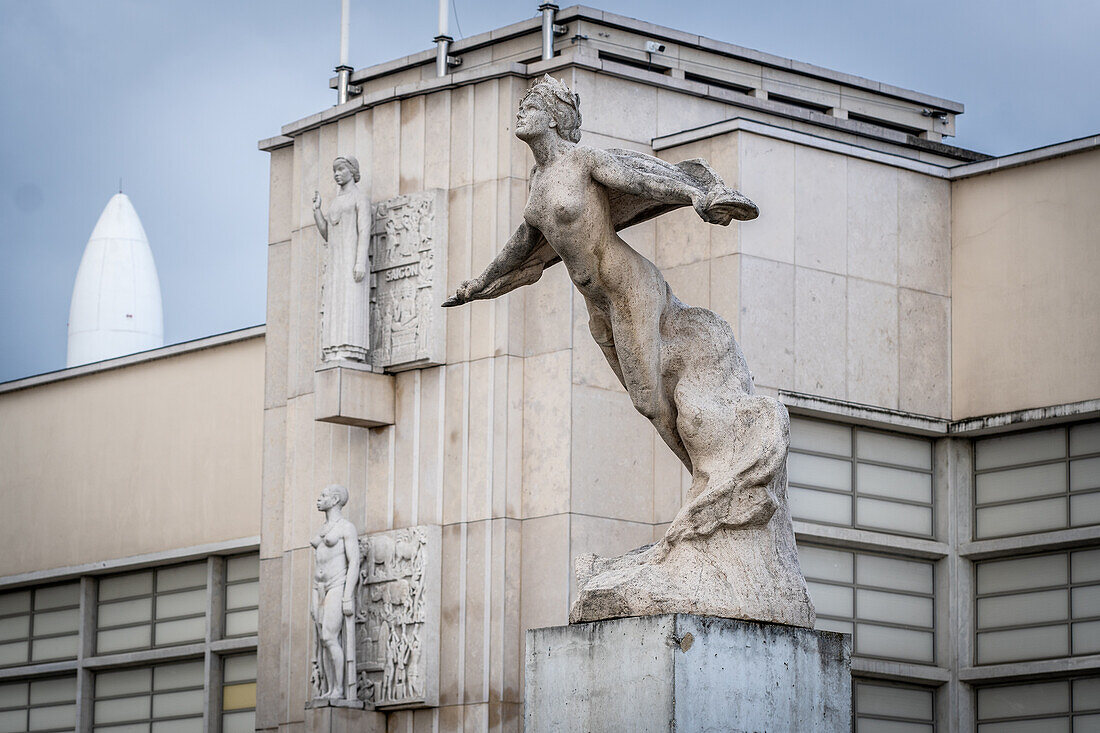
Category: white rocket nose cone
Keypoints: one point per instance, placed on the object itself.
(116, 305)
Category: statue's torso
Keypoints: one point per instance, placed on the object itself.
(572, 212)
(330, 559)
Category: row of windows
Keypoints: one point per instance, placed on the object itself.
(39, 625)
(137, 610)
(886, 707)
(165, 698)
(1034, 481)
(886, 603)
(1038, 607)
(1050, 706)
(1059, 706)
(1037, 481)
(854, 477)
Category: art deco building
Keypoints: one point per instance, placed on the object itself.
(929, 315)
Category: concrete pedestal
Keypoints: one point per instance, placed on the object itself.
(342, 716)
(686, 673)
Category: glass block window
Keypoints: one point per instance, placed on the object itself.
(167, 698)
(239, 694)
(38, 705)
(242, 595)
(39, 624)
(853, 477)
(1037, 481)
(1058, 706)
(152, 608)
(886, 603)
(889, 707)
(1038, 607)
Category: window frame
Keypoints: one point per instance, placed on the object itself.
(1067, 494)
(854, 493)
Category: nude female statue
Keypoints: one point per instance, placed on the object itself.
(681, 366)
(332, 602)
(345, 298)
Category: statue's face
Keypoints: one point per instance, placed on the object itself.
(341, 173)
(533, 118)
(326, 500)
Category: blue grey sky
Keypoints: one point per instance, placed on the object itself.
(172, 95)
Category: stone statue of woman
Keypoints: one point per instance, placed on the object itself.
(332, 601)
(345, 294)
(730, 550)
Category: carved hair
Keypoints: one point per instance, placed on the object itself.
(340, 491)
(353, 165)
(564, 105)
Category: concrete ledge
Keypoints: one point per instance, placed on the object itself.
(1062, 539)
(686, 673)
(1040, 668)
(1030, 418)
(333, 717)
(862, 539)
(353, 396)
(799, 403)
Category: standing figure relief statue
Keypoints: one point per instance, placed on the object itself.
(345, 287)
(332, 600)
(730, 549)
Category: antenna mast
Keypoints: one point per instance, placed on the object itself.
(343, 71)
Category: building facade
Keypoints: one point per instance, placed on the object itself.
(929, 316)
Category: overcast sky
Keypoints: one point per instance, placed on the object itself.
(172, 95)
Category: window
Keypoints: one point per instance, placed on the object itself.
(1038, 607)
(39, 624)
(134, 700)
(242, 595)
(890, 707)
(152, 608)
(161, 613)
(884, 602)
(239, 694)
(39, 705)
(884, 484)
(1037, 481)
(1057, 706)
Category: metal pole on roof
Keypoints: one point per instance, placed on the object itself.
(442, 41)
(548, 10)
(343, 71)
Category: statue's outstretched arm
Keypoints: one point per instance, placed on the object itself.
(514, 254)
(609, 171)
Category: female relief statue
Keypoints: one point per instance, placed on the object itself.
(332, 601)
(730, 550)
(345, 289)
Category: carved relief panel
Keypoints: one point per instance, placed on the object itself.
(397, 618)
(408, 280)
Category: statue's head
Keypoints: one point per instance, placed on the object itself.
(344, 167)
(332, 495)
(558, 102)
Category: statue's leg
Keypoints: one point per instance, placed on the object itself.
(331, 624)
(600, 326)
(637, 343)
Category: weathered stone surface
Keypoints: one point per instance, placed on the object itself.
(345, 290)
(730, 549)
(408, 280)
(686, 673)
(333, 717)
(332, 601)
(352, 395)
(397, 624)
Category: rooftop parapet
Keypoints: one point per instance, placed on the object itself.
(697, 65)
